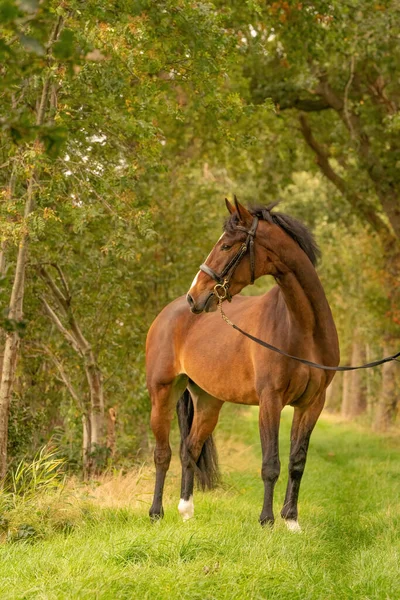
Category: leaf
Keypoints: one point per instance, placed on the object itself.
(64, 47)
(8, 12)
(12, 325)
(32, 45)
(53, 139)
(4, 48)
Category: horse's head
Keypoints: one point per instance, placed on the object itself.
(231, 264)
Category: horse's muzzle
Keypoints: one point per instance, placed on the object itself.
(209, 304)
(192, 305)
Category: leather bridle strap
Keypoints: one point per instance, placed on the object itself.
(222, 279)
(250, 242)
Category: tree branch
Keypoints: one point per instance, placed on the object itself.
(377, 92)
(68, 336)
(346, 98)
(63, 301)
(382, 182)
(46, 86)
(303, 104)
(64, 378)
(358, 204)
(64, 282)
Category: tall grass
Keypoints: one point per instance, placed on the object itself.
(45, 472)
(29, 495)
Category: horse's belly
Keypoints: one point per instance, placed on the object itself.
(220, 379)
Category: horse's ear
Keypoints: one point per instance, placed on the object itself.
(230, 206)
(245, 216)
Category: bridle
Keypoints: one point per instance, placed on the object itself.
(221, 289)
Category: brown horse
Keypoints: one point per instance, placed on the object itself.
(194, 357)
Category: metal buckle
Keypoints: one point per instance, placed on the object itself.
(221, 287)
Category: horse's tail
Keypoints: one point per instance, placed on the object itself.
(206, 468)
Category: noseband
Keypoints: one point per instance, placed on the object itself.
(221, 289)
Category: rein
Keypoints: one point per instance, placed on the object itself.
(375, 363)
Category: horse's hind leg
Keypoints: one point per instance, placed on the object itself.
(304, 420)
(197, 422)
(163, 401)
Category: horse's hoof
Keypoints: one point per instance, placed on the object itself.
(156, 515)
(186, 508)
(293, 525)
(267, 522)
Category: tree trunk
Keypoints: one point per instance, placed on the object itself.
(387, 403)
(112, 418)
(388, 400)
(94, 430)
(345, 392)
(12, 339)
(7, 380)
(2, 259)
(2, 273)
(15, 313)
(83, 406)
(94, 378)
(334, 394)
(355, 401)
(86, 447)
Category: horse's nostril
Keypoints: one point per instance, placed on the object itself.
(190, 300)
(192, 305)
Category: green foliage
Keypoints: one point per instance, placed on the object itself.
(155, 112)
(27, 484)
(123, 90)
(45, 472)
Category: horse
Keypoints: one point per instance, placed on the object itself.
(197, 363)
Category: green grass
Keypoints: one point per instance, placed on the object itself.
(349, 547)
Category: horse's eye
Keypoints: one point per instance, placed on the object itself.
(225, 247)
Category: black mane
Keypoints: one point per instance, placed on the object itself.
(297, 231)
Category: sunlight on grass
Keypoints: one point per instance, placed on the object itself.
(349, 512)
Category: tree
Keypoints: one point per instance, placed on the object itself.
(15, 312)
(330, 68)
(104, 96)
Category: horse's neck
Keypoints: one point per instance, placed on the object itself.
(305, 298)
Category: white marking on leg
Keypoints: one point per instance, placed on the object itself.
(186, 508)
(293, 525)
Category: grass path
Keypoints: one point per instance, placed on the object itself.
(349, 547)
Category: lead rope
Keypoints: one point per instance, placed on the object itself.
(223, 315)
(221, 291)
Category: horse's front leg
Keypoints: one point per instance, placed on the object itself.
(269, 418)
(164, 397)
(304, 420)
